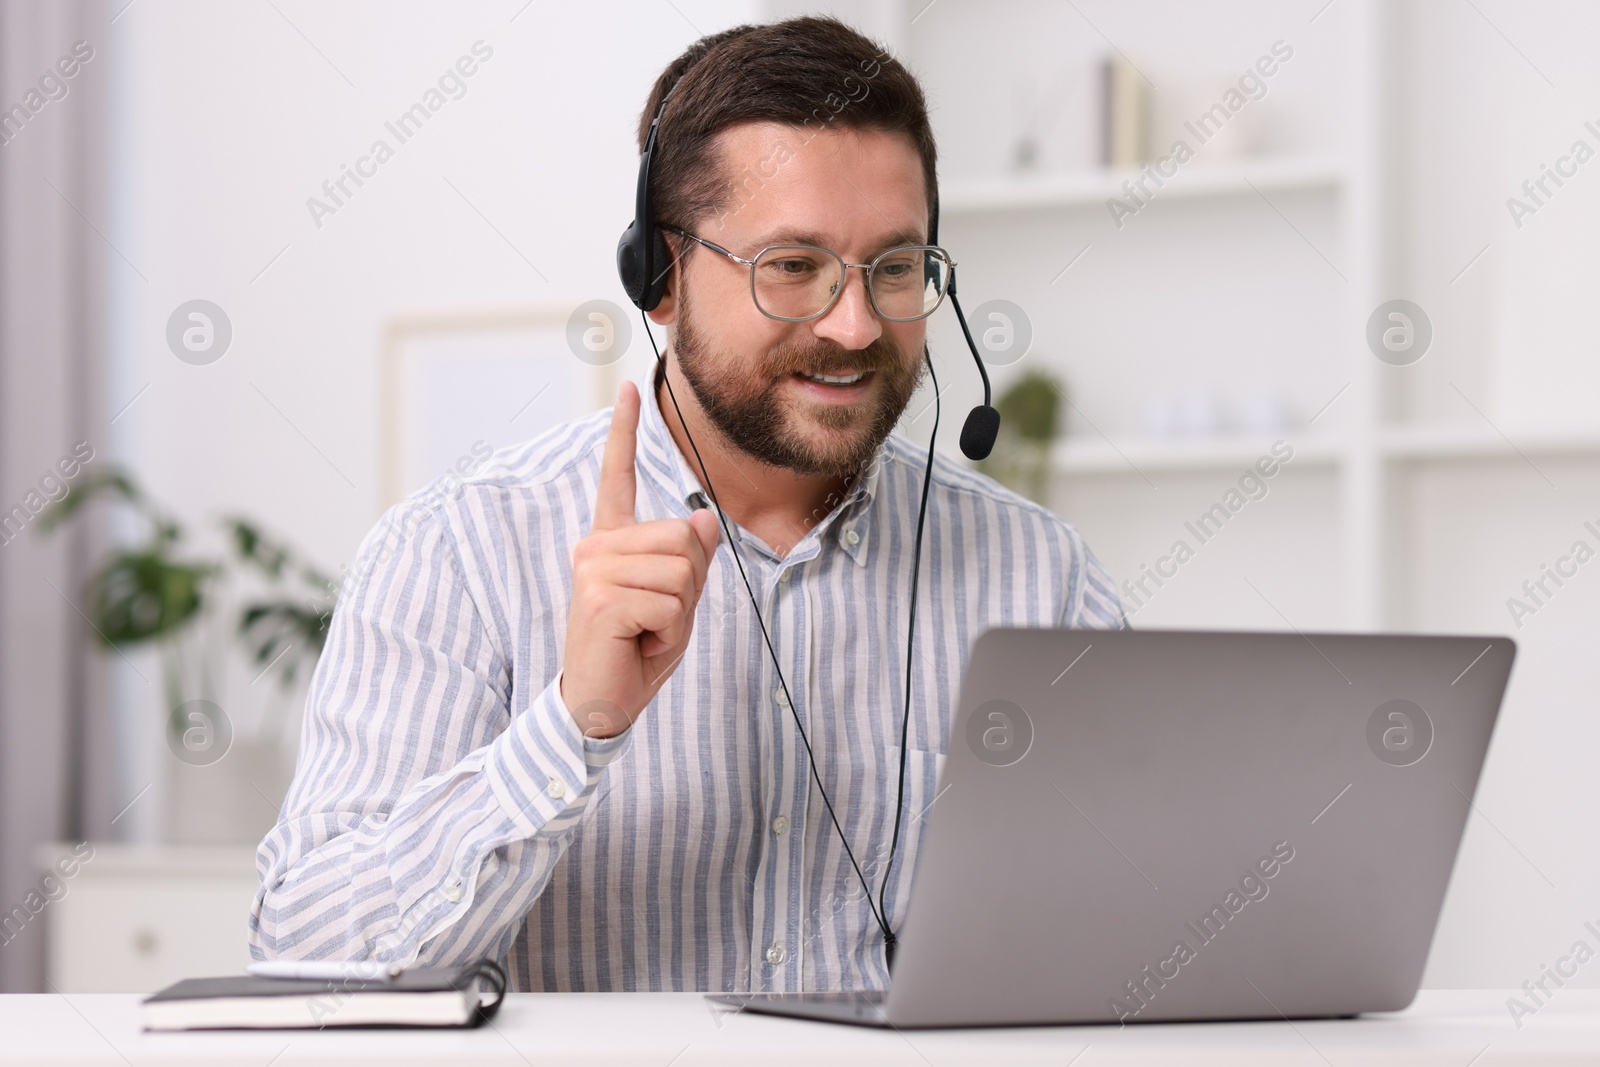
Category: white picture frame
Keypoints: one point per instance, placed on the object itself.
(451, 383)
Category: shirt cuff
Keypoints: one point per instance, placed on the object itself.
(598, 751)
(543, 767)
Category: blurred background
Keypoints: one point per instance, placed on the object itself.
(1353, 237)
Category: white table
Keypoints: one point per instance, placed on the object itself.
(1451, 1028)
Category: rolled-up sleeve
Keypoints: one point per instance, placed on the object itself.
(432, 801)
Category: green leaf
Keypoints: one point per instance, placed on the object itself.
(142, 595)
(255, 548)
(270, 626)
(112, 481)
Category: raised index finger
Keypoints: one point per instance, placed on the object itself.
(613, 506)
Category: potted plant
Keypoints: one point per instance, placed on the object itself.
(154, 592)
(1030, 415)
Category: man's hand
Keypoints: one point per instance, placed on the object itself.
(634, 590)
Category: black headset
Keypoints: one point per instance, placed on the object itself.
(644, 261)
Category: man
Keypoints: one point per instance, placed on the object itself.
(547, 727)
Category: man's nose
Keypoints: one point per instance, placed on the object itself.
(851, 321)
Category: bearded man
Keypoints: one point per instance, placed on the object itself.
(547, 727)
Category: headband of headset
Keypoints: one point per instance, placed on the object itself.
(643, 258)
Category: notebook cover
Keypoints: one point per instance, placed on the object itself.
(421, 980)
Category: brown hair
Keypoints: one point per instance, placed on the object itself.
(811, 72)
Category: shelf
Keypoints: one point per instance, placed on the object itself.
(1092, 188)
(1479, 441)
(1136, 456)
(1142, 456)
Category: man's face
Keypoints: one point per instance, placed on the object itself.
(856, 193)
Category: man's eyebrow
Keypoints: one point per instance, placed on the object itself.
(808, 237)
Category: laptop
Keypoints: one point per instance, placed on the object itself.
(1146, 826)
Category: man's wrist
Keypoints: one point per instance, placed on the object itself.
(597, 719)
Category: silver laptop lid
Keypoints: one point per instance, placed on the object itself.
(1149, 825)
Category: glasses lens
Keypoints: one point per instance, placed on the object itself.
(908, 283)
(796, 281)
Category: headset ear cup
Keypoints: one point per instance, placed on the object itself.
(629, 269)
(660, 264)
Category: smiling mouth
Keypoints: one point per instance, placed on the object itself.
(833, 379)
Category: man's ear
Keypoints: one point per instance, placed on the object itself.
(666, 312)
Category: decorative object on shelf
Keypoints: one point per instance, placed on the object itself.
(1265, 411)
(1124, 114)
(1181, 413)
(1025, 153)
(1222, 118)
(1186, 414)
(1029, 424)
(1055, 120)
(1025, 112)
(1222, 124)
(152, 592)
(1199, 414)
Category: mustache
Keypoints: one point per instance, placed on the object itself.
(829, 357)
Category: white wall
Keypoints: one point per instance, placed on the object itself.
(231, 120)
(228, 121)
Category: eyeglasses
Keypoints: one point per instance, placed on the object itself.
(798, 283)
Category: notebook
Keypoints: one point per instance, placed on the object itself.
(421, 997)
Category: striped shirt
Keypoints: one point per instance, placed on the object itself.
(446, 806)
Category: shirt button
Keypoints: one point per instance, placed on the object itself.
(557, 788)
(783, 575)
(452, 891)
(780, 825)
(776, 955)
(781, 697)
(852, 538)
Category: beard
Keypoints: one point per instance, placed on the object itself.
(741, 400)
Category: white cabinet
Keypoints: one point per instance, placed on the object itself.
(136, 918)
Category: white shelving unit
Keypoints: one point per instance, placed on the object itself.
(1468, 443)
(1365, 461)
(1363, 458)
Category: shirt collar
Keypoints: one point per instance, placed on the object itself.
(658, 456)
(659, 459)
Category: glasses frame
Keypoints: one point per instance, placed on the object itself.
(843, 275)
